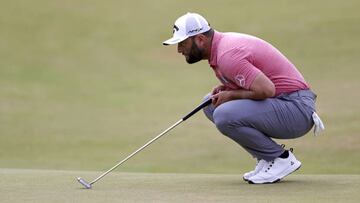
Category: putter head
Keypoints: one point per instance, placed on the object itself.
(84, 183)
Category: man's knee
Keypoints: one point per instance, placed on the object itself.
(223, 119)
(208, 110)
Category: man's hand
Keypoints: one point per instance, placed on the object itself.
(218, 89)
(221, 97)
(261, 88)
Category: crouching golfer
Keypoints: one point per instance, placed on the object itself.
(262, 95)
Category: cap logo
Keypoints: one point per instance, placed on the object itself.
(194, 30)
(175, 28)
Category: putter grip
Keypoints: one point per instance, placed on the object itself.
(202, 105)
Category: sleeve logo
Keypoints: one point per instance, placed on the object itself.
(240, 80)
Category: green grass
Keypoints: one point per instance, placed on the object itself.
(61, 186)
(85, 83)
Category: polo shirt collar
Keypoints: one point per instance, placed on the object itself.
(214, 45)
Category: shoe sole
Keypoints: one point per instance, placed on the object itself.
(277, 180)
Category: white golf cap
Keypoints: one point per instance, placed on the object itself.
(186, 26)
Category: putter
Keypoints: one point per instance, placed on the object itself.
(88, 185)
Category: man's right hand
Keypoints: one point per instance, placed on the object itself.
(218, 89)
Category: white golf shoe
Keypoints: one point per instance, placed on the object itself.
(274, 171)
(259, 165)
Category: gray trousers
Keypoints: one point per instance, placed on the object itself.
(252, 123)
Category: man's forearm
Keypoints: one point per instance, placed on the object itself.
(228, 95)
(249, 94)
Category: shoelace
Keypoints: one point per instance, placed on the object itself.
(268, 169)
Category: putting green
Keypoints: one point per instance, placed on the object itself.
(61, 186)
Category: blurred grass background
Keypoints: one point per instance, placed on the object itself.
(85, 83)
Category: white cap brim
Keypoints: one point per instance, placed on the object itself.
(174, 40)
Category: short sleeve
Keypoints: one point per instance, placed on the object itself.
(235, 66)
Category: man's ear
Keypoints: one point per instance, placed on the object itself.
(200, 40)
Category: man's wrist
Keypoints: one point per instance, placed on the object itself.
(242, 94)
(235, 94)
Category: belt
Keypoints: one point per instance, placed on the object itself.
(302, 93)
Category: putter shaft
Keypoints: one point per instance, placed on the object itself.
(141, 148)
(202, 105)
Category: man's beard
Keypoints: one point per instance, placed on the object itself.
(195, 54)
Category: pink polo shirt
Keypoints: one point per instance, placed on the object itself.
(237, 59)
